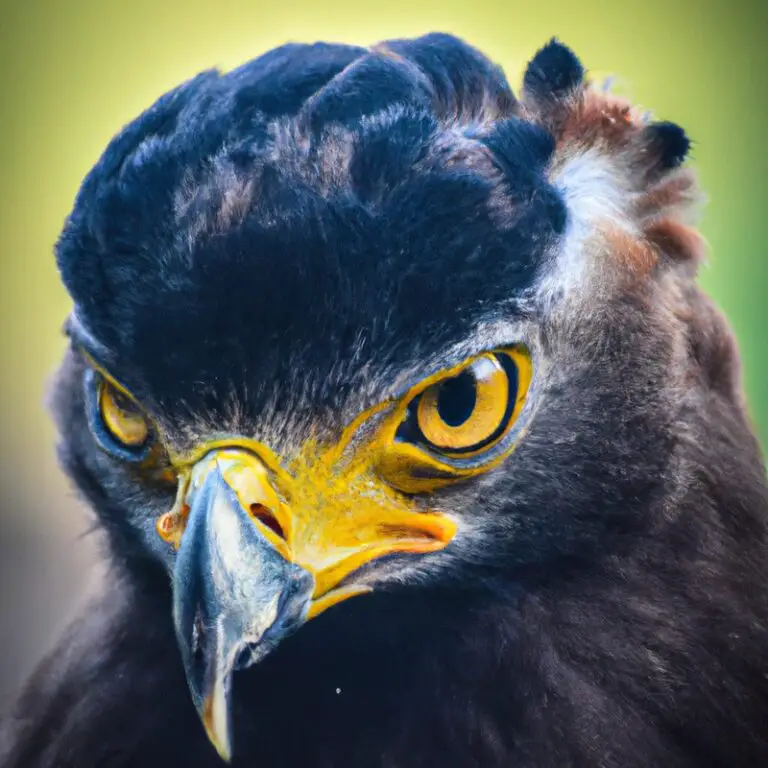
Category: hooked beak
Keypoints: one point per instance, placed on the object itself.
(252, 568)
(235, 597)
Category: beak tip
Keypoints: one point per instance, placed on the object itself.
(223, 749)
(215, 716)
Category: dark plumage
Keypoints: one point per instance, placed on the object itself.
(272, 251)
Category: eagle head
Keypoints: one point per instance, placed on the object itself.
(358, 322)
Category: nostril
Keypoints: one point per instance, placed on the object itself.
(244, 657)
(264, 515)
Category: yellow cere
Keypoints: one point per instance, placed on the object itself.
(121, 416)
(333, 508)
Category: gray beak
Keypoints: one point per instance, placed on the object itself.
(235, 598)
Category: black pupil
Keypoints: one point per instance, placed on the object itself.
(456, 399)
(123, 403)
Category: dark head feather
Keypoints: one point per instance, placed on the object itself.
(552, 74)
(373, 176)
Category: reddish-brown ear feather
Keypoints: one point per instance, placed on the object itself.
(600, 119)
(634, 255)
(557, 95)
(642, 159)
(676, 240)
(677, 191)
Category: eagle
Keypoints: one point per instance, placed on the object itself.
(412, 438)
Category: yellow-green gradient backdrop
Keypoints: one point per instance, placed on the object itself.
(72, 73)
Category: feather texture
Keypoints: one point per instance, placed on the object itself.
(265, 252)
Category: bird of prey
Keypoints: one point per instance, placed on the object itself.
(413, 439)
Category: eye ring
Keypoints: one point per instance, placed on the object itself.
(470, 410)
(116, 420)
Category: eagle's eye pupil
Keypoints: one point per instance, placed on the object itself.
(457, 398)
(124, 404)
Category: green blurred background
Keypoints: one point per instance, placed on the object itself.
(72, 73)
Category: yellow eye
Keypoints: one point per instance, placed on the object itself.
(121, 416)
(472, 409)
